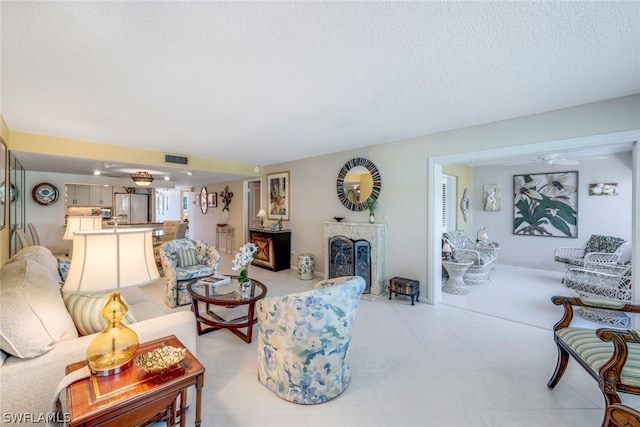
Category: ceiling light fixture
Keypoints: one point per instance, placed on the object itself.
(142, 178)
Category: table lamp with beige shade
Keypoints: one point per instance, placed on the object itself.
(262, 215)
(81, 223)
(109, 260)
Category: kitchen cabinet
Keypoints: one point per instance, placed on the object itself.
(101, 195)
(274, 249)
(77, 195)
(89, 195)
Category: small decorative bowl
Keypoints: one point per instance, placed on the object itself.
(160, 359)
(338, 218)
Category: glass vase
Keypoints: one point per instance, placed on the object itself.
(372, 218)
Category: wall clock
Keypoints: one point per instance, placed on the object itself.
(45, 194)
(204, 205)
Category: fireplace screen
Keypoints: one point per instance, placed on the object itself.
(350, 258)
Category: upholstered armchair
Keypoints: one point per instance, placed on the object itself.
(183, 260)
(303, 340)
(597, 251)
(481, 254)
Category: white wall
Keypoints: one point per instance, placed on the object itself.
(607, 215)
(405, 187)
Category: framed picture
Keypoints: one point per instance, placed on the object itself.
(546, 204)
(492, 197)
(3, 184)
(603, 189)
(213, 200)
(278, 184)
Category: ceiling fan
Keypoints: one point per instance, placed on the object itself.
(548, 159)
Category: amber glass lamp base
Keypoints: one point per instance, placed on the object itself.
(113, 349)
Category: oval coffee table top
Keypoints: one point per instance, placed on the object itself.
(226, 294)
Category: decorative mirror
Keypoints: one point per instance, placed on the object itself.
(204, 205)
(358, 181)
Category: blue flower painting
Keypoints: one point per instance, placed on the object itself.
(546, 204)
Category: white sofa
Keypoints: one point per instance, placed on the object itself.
(39, 339)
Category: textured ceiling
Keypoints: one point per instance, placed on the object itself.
(266, 82)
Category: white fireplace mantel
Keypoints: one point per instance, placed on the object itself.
(375, 234)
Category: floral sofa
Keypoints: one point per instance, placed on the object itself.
(41, 331)
(183, 260)
(303, 340)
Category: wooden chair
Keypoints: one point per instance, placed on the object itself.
(610, 356)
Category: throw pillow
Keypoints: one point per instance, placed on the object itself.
(63, 268)
(86, 311)
(33, 317)
(187, 258)
(606, 244)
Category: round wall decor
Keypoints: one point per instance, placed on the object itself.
(204, 205)
(45, 194)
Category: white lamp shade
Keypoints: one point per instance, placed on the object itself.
(261, 214)
(109, 260)
(81, 223)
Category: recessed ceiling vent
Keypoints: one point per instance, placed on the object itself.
(169, 158)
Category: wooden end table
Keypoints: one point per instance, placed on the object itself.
(226, 295)
(134, 397)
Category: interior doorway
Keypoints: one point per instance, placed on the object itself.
(254, 197)
(435, 205)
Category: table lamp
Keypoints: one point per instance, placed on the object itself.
(81, 223)
(109, 260)
(446, 251)
(262, 215)
(482, 235)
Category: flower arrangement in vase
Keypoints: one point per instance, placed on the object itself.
(371, 205)
(241, 263)
(226, 197)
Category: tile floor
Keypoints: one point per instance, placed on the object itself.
(481, 360)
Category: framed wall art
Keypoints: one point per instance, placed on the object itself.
(213, 200)
(492, 197)
(546, 204)
(278, 184)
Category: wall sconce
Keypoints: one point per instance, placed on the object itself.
(142, 178)
(482, 235)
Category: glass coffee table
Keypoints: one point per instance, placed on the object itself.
(221, 297)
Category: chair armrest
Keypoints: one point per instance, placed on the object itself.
(569, 253)
(468, 255)
(569, 302)
(594, 259)
(611, 371)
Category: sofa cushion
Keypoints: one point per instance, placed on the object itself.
(42, 256)
(64, 264)
(187, 258)
(33, 317)
(86, 311)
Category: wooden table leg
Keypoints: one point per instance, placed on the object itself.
(199, 385)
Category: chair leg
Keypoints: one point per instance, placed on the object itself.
(561, 366)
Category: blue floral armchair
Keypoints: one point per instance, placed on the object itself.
(303, 340)
(183, 260)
